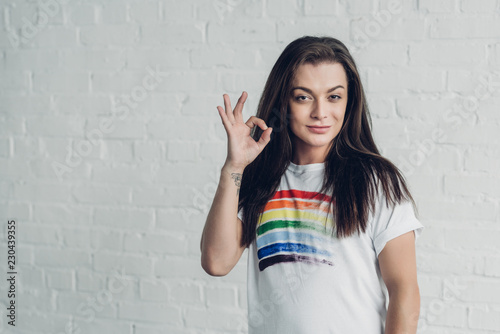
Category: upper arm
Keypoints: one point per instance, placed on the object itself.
(398, 264)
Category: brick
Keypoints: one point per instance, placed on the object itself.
(472, 239)
(459, 212)
(117, 150)
(15, 82)
(132, 265)
(173, 33)
(464, 28)
(182, 151)
(208, 56)
(154, 290)
(470, 6)
(360, 7)
(182, 294)
(37, 59)
(16, 211)
(480, 291)
(283, 8)
(212, 319)
(177, 267)
(481, 160)
(447, 55)
(61, 257)
(62, 82)
(82, 14)
(223, 11)
(198, 128)
(248, 31)
(122, 35)
(223, 296)
(446, 6)
(123, 174)
(484, 318)
(322, 7)
(472, 185)
(145, 12)
(155, 312)
(147, 151)
(390, 80)
(429, 286)
(61, 214)
(39, 234)
(42, 192)
(102, 194)
(375, 54)
(60, 279)
(166, 57)
(124, 218)
(110, 326)
(85, 306)
(55, 37)
(177, 220)
(113, 12)
(13, 169)
(95, 60)
(492, 266)
(172, 9)
(24, 105)
(88, 280)
(55, 126)
(439, 263)
(154, 196)
(160, 243)
(106, 240)
(288, 29)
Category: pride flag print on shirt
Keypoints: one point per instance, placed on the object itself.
(295, 227)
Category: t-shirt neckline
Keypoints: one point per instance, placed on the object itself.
(309, 167)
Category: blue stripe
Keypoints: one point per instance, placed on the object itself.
(289, 247)
(274, 237)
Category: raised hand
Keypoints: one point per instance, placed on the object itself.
(242, 148)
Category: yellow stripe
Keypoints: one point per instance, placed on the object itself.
(291, 214)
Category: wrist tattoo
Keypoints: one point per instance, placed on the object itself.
(237, 181)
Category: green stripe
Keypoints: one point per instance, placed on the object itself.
(290, 223)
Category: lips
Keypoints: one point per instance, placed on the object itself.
(318, 127)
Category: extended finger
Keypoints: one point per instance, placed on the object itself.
(225, 121)
(229, 111)
(238, 109)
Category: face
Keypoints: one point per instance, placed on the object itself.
(317, 106)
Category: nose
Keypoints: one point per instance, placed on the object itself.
(319, 109)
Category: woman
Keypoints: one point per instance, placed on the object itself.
(329, 223)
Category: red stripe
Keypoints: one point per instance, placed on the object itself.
(294, 193)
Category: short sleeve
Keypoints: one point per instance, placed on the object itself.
(392, 222)
(240, 214)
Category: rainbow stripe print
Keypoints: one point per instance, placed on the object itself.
(293, 228)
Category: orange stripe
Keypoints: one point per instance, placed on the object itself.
(297, 204)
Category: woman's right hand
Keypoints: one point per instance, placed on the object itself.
(242, 148)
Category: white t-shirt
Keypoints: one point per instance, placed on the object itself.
(303, 280)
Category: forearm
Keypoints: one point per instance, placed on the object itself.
(403, 311)
(220, 241)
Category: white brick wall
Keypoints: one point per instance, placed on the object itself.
(110, 244)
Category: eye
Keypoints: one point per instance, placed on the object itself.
(301, 98)
(336, 97)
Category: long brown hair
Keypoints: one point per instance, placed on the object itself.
(354, 168)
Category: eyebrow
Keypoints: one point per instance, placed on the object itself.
(310, 91)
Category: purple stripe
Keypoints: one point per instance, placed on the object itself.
(269, 261)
